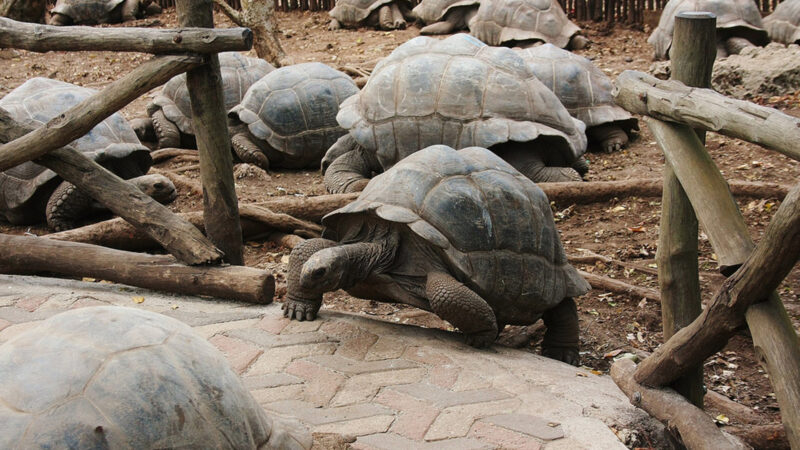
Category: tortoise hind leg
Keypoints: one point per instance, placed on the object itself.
(462, 307)
(445, 27)
(735, 45)
(610, 136)
(130, 9)
(398, 21)
(66, 206)
(350, 172)
(561, 338)
(530, 164)
(248, 151)
(166, 131)
(385, 17)
(60, 20)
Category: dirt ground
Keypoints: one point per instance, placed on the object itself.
(625, 230)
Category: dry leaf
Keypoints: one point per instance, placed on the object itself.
(138, 299)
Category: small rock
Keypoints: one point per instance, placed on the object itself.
(250, 171)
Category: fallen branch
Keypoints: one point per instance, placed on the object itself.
(277, 221)
(705, 109)
(735, 411)
(590, 257)
(618, 287)
(180, 181)
(169, 153)
(763, 437)
(694, 426)
(26, 254)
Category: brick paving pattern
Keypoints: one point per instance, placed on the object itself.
(380, 385)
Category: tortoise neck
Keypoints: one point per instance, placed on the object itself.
(368, 258)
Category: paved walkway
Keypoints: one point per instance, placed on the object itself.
(383, 385)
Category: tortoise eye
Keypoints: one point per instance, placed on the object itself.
(318, 273)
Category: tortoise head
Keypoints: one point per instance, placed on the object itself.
(326, 270)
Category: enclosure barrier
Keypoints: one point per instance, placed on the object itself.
(49, 146)
(695, 191)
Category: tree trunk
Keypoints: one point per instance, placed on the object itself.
(259, 16)
(24, 10)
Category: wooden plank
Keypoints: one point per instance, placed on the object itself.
(47, 38)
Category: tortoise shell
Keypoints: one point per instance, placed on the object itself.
(114, 377)
(782, 24)
(238, 74)
(458, 92)
(581, 86)
(734, 18)
(431, 11)
(294, 108)
(24, 189)
(86, 11)
(492, 226)
(351, 13)
(501, 21)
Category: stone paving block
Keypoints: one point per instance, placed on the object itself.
(296, 326)
(88, 302)
(199, 318)
(62, 301)
(457, 420)
(552, 406)
(19, 315)
(531, 425)
(414, 416)
(391, 441)
(14, 330)
(270, 380)
(358, 427)
(308, 413)
(426, 355)
(274, 322)
(363, 387)
(443, 376)
(9, 298)
(385, 348)
(503, 437)
(31, 302)
(274, 394)
(239, 354)
(470, 381)
(590, 433)
(267, 340)
(4, 324)
(210, 330)
(445, 398)
(276, 359)
(354, 367)
(321, 384)
(354, 342)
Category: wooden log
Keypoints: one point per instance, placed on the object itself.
(735, 411)
(259, 15)
(705, 109)
(773, 335)
(763, 437)
(278, 221)
(169, 153)
(692, 57)
(78, 120)
(50, 38)
(26, 254)
(220, 205)
(154, 220)
(695, 427)
(619, 287)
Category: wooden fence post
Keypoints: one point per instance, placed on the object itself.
(220, 205)
(692, 58)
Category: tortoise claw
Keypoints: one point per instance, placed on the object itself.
(299, 310)
(564, 354)
(483, 339)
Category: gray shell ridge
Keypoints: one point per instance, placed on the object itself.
(86, 11)
(482, 215)
(782, 24)
(581, 86)
(294, 109)
(128, 377)
(739, 17)
(457, 92)
(110, 143)
(238, 74)
(430, 11)
(501, 21)
(353, 12)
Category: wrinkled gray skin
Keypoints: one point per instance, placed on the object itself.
(111, 377)
(445, 16)
(457, 92)
(30, 193)
(380, 14)
(739, 25)
(288, 118)
(459, 233)
(90, 12)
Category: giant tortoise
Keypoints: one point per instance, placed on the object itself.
(90, 12)
(445, 16)
(113, 377)
(458, 92)
(30, 193)
(459, 233)
(170, 112)
(382, 14)
(288, 118)
(783, 25)
(585, 91)
(522, 23)
(739, 25)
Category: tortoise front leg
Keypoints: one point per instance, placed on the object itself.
(300, 303)
(385, 17)
(398, 21)
(144, 129)
(248, 151)
(561, 338)
(66, 206)
(167, 133)
(610, 136)
(130, 9)
(532, 166)
(349, 172)
(735, 45)
(462, 307)
(60, 20)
